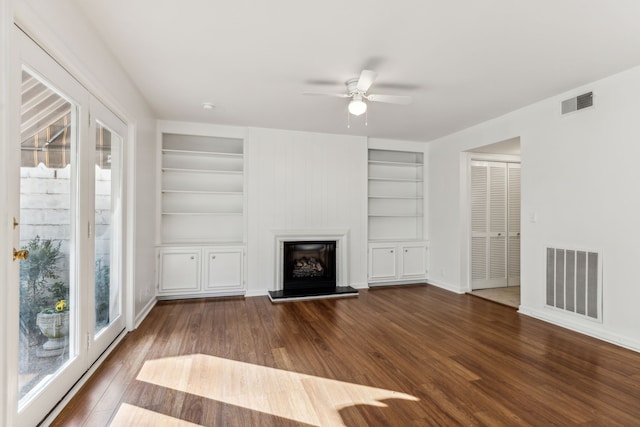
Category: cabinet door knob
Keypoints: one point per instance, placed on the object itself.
(391, 251)
(193, 257)
(406, 250)
(213, 257)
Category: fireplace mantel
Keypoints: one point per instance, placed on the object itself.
(342, 250)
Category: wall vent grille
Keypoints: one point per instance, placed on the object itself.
(573, 281)
(580, 102)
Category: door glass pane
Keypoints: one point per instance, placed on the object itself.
(47, 212)
(107, 226)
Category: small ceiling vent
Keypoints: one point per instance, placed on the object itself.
(580, 102)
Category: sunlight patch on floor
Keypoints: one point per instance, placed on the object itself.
(130, 415)
(299, 397)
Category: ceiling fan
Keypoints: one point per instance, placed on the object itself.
(357, 90)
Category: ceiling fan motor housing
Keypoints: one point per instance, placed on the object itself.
(352, 86)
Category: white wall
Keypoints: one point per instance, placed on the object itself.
(61, 29)
(5, 228)
(579, 179)
(300, 180)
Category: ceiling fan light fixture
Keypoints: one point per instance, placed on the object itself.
(357, 107)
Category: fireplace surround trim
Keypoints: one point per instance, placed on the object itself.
(340, 236)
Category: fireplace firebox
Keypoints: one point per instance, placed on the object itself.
(309, 265)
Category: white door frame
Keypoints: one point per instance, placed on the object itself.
(5, 218)
(28, 54)
(465, 209)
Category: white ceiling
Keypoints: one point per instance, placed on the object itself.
(462, 61)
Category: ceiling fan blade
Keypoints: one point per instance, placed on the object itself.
(366, 79)
(337, 95)
(390, 99)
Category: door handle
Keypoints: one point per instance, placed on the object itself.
(20, 254)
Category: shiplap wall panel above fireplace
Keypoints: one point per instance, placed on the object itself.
(298, 181)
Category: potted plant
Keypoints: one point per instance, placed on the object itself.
(43, 298)
(54, 324)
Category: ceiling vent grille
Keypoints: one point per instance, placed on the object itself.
(580, 102)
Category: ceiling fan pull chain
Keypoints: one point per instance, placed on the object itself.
(348, 120)
(366, 117)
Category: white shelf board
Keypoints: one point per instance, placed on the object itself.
(203, 213)
(397, 241)
(397, 197)
(208, 171)
(394, 179)
(395, 216)
(199, 243)
(388, 163)
(200, 153)
(213, 193)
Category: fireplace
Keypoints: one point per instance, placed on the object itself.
(309, 265)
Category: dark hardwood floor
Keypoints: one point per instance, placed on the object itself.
(414, 355)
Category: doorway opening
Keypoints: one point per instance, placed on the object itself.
(495, 197)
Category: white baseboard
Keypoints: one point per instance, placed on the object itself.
(203, 295)
(145, 312)
(359, 285)
(594, 331)
(256, 293)
(446, 286)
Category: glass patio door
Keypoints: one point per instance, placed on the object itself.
(106, 159)
(48, 244)
(68, 234)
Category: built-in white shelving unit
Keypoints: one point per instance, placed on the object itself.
(396, 195)
(397, 250)
(202, 214)
(202, 187)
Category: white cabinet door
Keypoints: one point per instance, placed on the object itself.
(179, 270)
(414, 259)
(224, 269)
(382, 262)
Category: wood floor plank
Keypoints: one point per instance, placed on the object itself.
(414, 355)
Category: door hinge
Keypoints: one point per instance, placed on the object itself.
(89, 229)
(88, 340)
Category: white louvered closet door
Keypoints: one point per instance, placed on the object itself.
(489, 224)
(513, 248)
